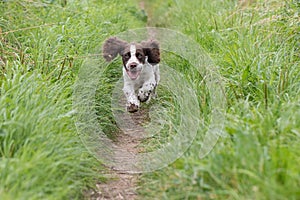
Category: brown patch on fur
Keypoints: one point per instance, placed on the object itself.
(112, 47)
(151, 49)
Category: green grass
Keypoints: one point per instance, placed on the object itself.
(41, 156)
(42, 46)
(44, 43)
(257, 49)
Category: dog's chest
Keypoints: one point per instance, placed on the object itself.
(146, 74)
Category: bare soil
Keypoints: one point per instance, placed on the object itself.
(122, 185)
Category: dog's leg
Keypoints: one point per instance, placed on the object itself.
(157, 78)
(156, 73)
(133, 103)
(145, 92)
(148, 89)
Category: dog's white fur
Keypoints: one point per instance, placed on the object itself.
(142, 87)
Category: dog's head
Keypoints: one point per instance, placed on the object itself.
(134, 55)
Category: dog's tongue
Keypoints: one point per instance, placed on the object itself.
(133, 74)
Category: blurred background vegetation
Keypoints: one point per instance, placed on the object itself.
(255, 44)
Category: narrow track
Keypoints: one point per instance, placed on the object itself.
(122, 185)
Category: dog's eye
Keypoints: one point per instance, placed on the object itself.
(139, 56)
(126, 56)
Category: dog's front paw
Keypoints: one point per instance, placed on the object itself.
(143, 95)
(145, 92)
(132, 107)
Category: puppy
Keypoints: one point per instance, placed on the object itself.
(140, 68)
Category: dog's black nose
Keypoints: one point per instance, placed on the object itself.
(132, 65)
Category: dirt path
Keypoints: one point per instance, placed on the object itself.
(119, 186)
(122, 185)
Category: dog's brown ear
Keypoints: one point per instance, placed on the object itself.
(112, 47)
(151, 49)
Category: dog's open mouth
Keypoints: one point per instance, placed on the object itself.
(133, 74)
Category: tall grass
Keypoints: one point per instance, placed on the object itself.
(41, 155)
(255, 45)
(42, 45)
(257, 50)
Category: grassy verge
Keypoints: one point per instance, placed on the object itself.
(257, 49)
(42, 45)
